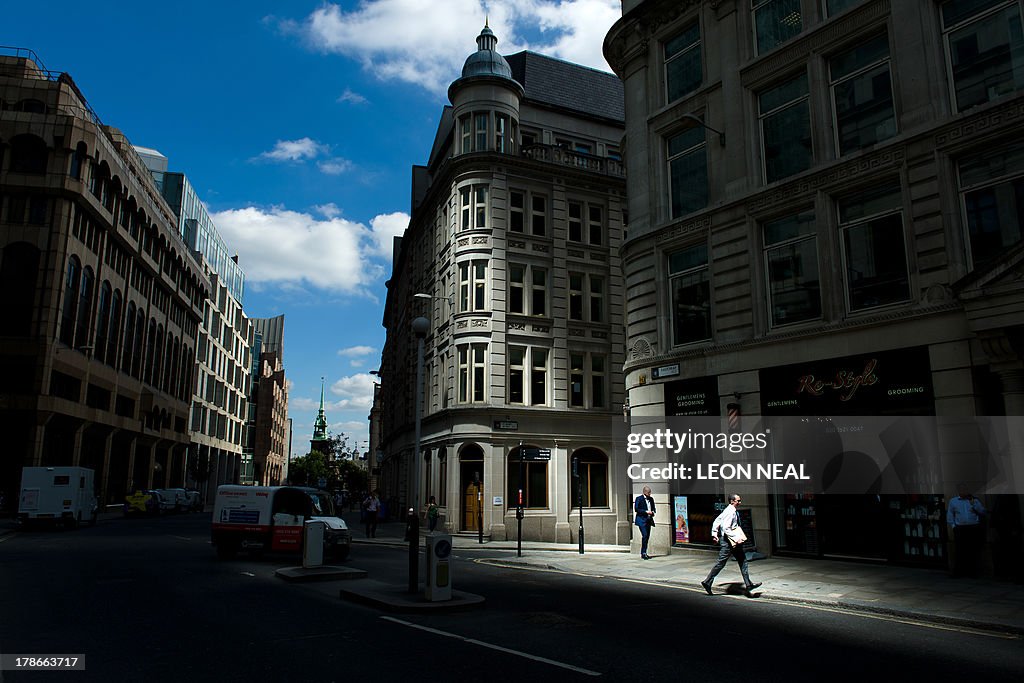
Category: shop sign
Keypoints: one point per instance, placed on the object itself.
(697, 396)
(508, 425)
(887, 382)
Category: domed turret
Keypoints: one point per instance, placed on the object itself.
(486, 61)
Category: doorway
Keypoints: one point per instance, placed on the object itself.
(471, 476)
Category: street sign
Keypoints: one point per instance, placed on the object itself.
(510, 425)
(536, 454)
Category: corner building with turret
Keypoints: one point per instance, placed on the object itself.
(512, 254)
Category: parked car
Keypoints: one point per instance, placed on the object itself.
(145, 502)
(172, 500)
(195, 500)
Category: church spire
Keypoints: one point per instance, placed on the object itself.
(320, 426)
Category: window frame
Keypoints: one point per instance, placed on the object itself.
(755, 7)
(1005, 177)
(842, 230)
(685, 272)
(964, 23)
(512, 470)
(472, 373)
(593, 394)
(670, 159)
(473, 286)
(695, 45)
(856, 73)
(589, 459)
(764, 116)
(787, 242)
(473, 212)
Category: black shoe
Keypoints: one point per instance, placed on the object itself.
(707, 586)
(645, 556)
(752, 587)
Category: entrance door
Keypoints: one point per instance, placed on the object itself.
(470, 471)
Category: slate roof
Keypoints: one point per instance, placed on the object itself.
(567, 85)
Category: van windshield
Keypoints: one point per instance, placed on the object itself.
(322, 506)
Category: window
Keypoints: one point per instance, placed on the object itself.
(503, 136)
(474, 207)
(992, 187)
(775, 22)
(538, 215)
(481, 131)
(28, 154)
(19, 272)
(786, 128)
(467, 135)
(115, 330)
(587, 380)
(691, 295)
(862, 92)
(517, 202)
(103, 321)
(688, 171)
(791, 262)
(871, 226)
(591, 466)
(531, 478)
(473, 286)
(129, 336)
(526, 389)
(986, 49)
(472, 368)
(586, 297)
(523, 279)
(84, 308)
(594, 232)
(683, 72)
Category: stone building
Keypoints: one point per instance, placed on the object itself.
(512, 254)
(101, 301)
(827, 189)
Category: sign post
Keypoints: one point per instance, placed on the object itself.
(579, 495)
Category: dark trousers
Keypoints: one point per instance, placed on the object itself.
(371, 524)
(645, 536)
(970, 542)
(725, 551)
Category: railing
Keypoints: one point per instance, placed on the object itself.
(566, 157)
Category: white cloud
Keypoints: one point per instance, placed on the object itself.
(329, 210)
(295, 150)
(426, 43)
(330, 253)
(384, 229)
(356, 351)
(352, 97)
(335, 166)
(356, 391)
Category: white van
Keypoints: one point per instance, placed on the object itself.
(57, 494)
(261, 518)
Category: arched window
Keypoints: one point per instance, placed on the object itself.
(150, 362)
(84, 308)
(592, 482)
(115, 329)
(173, 379)
(31, 106)
(70, 304)
(165, 380)
(129, 338)
(102, 321)
(28, 154)
(78, 161)
(187, 365)
(18, 275)
(137, 351)
(531, 476)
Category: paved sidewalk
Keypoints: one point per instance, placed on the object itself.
(921, 594)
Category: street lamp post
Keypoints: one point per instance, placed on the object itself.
(420, 326)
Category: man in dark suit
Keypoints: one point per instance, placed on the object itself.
(643, 506)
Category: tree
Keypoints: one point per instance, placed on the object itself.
(307, 470)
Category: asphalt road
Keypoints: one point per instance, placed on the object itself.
(146, 600)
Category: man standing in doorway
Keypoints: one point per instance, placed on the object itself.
(965, 514)
(724, 524)
(644, 508)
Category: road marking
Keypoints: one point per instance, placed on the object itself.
(499, 648)
(179, 537)
(503, 565)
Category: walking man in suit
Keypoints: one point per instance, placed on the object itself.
(724, 523)
(643, 506)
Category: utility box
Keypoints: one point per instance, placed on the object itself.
(313, 543)
(439, 567)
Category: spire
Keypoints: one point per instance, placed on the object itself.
(486, 40)
(320, 426)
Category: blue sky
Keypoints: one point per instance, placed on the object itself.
(298, 124)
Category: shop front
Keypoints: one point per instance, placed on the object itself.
(693, 513)
(861, 519)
